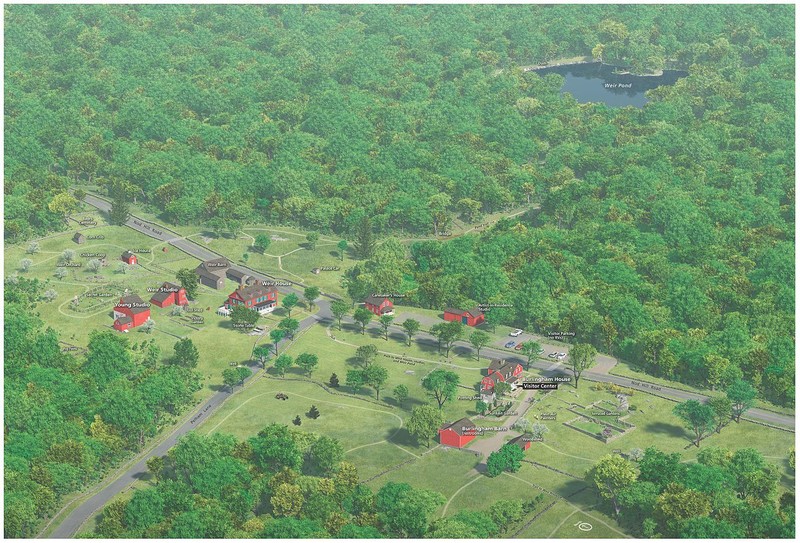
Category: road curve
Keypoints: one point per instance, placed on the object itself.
(78, 516)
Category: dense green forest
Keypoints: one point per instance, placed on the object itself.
(724, 495)
(285, 483)
(67, 417)
(665, 234)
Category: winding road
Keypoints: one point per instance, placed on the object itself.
(70, 525)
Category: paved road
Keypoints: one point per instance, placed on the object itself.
(76, 518)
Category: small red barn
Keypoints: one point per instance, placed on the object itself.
(168, 294)
(523, 442)
(128, 258)
(130, 312)
(457, 434)
(470, 317)
(262, 299)
(379, 305)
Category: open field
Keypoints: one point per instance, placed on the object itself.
(626, 369)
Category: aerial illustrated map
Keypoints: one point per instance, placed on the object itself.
(399, 271)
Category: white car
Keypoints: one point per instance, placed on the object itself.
(561, 356)
(515, 333)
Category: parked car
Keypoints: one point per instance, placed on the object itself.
(519, 346)
(516, 333)
(540, 351)
(561, 356)
(509, 344)
(552, 355)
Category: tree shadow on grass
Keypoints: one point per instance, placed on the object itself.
(461, 350)
(578, 491)
(672, 430)
(404, 438)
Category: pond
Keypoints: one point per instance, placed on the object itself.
(596, 82)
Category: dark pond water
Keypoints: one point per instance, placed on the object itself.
(598, 83)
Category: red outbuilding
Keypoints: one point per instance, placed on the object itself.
(470, 317)
(168, 294)
(128, 258)
(523, 441)
(130, 312)
(457, 434)
(379, 305)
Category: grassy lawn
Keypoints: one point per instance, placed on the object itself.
(564, 521)
(442, 470)
(338, 356)
(574, 452)
(354, 423)
(626, 369)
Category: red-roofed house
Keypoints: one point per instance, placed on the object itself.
(262, 299)
(379, 305)
(457, 434)
(470, 317)
(130, 312)
(500, 370)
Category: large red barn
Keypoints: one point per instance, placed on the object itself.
(130, 312)
(458, 434)
(470, 317)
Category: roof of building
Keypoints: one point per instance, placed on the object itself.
(165, 291)
(462, 427)
(474, 312)
(521, 440)
(78, 235)
(127, 254)
(376, 300)
(493, 376)
(202, 272)
(501, 365)
(253, 291)
(134, 303)
(232, 272)
(216, 267)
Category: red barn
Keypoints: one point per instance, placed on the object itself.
(129, 258)
(262, 299)
(379, 305)
(457, 434)
(130, 312)
(168, 294)
(471, 317)
(523, 442)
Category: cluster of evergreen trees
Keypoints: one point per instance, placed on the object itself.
(284, 483)
(67, 417)
(723, 495)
